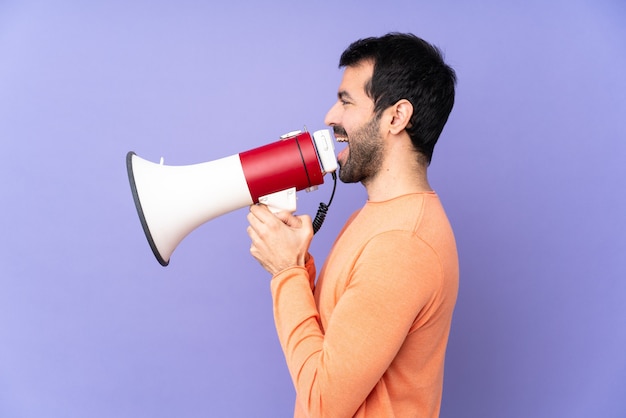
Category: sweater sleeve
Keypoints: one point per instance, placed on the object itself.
(395, 276)
(309, 265)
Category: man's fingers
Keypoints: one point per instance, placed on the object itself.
(289, 219)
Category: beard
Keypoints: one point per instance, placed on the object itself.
(365, 153)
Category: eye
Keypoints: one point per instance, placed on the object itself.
(344, 98)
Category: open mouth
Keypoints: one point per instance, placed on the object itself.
(340, 134)
(342, 137)
(342, 153)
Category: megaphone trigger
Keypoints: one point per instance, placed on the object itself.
(285, 200)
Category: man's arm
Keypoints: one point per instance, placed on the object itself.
(334, 370)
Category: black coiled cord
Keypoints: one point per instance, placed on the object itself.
(320, 216)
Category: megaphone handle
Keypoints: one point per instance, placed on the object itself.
(284, 200)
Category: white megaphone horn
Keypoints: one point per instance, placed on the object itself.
(174, 200)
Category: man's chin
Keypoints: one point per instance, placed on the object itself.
(345, 177)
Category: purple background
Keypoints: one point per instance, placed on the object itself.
(531, 168)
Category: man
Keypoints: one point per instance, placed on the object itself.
(369, 338)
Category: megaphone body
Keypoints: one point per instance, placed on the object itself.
(174, 200)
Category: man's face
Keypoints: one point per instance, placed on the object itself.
(353, 120)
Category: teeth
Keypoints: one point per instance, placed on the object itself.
(342, 139)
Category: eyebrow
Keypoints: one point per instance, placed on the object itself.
(344, 95)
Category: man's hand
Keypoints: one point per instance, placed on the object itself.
(279, 241)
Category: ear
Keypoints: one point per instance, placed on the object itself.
(401, 113)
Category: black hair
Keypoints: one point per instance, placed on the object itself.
(407, 67)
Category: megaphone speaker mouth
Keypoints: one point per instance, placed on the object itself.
(140, 212)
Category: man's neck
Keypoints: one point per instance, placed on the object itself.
(403, 170)
(395, 179)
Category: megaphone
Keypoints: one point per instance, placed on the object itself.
(174, 200)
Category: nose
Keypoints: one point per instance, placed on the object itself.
(332, 117)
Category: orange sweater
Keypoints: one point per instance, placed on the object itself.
(369, 339)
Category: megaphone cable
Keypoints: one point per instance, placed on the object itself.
(320, 216)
